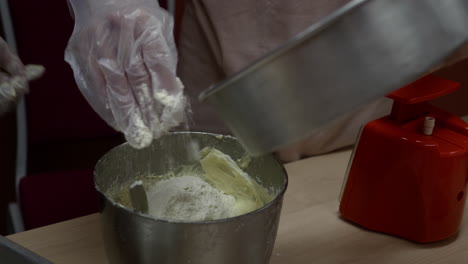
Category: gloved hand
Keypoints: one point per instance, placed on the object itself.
(14, 76)
(123, 56)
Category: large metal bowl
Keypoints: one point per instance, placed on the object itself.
(359, 53)
(132, 237)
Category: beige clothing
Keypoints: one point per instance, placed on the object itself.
(220, 37)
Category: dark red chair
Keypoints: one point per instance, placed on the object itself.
(53, 197)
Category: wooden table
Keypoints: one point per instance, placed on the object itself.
(310, 229)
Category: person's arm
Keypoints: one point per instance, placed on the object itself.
(124, 58)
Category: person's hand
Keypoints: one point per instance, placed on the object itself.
(14, 76)
(123, 56)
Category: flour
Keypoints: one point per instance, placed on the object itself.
(171, 108)
(215, 189)
(138, 135)
(174, 109)
(188, 198)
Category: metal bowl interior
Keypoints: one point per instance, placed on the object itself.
(124, 164)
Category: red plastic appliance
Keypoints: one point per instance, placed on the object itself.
(409, 171)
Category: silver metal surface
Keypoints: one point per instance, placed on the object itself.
(136, 238)
(12, 253)
(138, 197)
(359, 53)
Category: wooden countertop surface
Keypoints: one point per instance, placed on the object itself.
(310, 230)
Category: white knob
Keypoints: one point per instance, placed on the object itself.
(429, 123)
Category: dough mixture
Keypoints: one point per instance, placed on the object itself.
(216, 188)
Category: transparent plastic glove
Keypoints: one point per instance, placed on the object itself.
(14, 76)
(123, 56)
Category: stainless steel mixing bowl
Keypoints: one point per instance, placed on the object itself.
(359, 53)
(132, 237)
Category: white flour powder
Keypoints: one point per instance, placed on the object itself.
(188, 198)
(171, 114)
(221, 191)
